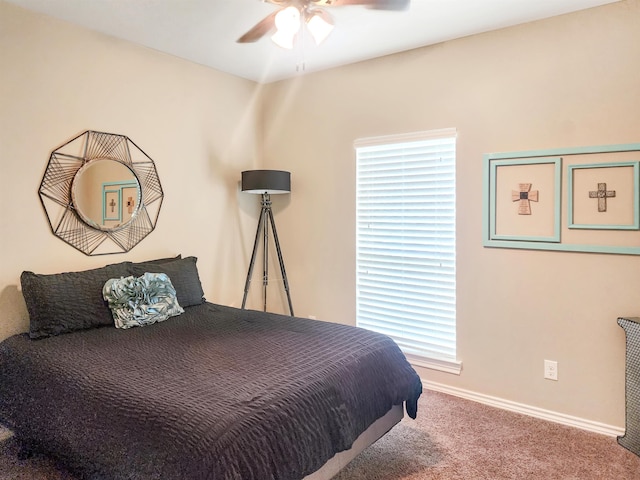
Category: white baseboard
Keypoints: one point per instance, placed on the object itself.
(549, 415)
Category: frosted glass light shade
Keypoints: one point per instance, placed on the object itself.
(320, 25)
(284, 40)
(288, 20)
(287, 26)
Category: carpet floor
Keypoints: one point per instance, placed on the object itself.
(452, 439)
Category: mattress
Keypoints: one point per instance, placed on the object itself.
(216, 393)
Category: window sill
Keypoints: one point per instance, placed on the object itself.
(447, 366)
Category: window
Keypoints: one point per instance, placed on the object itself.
(405, 243)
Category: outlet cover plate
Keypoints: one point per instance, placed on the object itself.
(551, 369)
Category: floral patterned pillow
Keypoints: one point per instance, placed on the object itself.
(140, 301)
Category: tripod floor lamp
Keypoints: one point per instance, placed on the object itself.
(265, 183)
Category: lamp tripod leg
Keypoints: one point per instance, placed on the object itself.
(247, 283)
(280, 260)
(265, 256)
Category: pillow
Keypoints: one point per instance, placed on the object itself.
(135, 302)
(184, 276)
(65, 302)
(156, 261)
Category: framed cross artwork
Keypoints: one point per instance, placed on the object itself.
(525, 199)
(579, 199)
(604, 196)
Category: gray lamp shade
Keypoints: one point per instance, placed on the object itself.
(266, 181)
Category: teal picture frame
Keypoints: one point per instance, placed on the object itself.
(634, 225)
(563, 155)
(556, 189)
(111, 203)
(112, 191)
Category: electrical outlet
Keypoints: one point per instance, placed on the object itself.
(551, 369)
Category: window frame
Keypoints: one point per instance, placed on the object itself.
(448, 363)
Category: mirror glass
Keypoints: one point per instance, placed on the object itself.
(106, 194)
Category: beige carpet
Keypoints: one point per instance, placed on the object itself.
(457, 439)
(452, 439)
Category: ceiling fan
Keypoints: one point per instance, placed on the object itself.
(292, 14)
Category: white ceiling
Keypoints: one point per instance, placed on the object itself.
(205, 31)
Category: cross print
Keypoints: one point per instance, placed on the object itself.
(112, 204)
(602, 194)
(524, 196)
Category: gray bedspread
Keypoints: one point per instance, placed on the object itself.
(216, 393)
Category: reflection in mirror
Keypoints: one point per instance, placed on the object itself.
(106, 194)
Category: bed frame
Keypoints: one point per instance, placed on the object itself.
(376, 431)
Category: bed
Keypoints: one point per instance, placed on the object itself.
(215, 392)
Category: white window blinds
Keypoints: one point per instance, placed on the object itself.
(405, 260)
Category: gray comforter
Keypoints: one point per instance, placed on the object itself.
(216, 393)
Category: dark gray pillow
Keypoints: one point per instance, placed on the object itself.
(157, 261)
(183, 274)
(65, 302)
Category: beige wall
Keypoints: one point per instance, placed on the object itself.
(197, 124)
(568, 81)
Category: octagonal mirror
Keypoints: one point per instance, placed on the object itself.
(101, 193)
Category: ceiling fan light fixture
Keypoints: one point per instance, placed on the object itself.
(287, 23)
(284, 40)
(319, 24)
(288, 19)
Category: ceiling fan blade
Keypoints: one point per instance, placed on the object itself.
(260, 29)
(375, 4)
